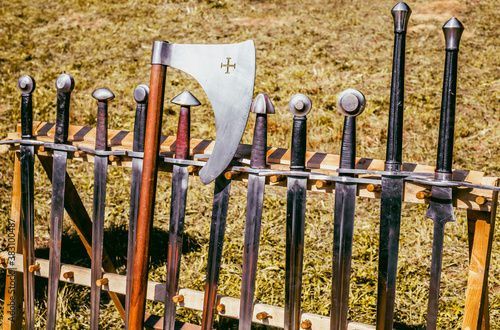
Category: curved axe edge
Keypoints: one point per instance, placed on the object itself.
(226, 73)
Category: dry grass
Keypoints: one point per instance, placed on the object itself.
(318, 48)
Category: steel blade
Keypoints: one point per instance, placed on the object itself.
(217, 230)
(180, 179)
(255, 198)
(390, 219)
(100, 174)
(345, 204)
(295, 222)
(135, 190)
(440, 211)
(56, 227)
(27, 158)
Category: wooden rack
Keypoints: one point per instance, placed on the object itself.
(481, 205)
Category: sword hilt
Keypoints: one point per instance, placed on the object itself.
(186, 100)
(26, 85)
(102, 95)
(141, 94)
(452, 32)
(350, 103)
(261, 106)
(64, 84)
(401, 14)
(299, 105)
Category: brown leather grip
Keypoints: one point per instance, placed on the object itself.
(183, 135)
(147, 197)
(101, 133)
(259, 145)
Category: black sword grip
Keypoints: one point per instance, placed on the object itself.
(447, 120)
(64, 84)
(348, 149)
(102, 95)
(395, 127)
(259, 144)
(26, 85)
(299, 140)
(141, 94)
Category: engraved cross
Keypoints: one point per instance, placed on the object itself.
(228, 65)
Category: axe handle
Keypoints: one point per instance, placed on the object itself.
(147, 197)
(259, 146)
(348, 149)
(298, 152)
(183, 134)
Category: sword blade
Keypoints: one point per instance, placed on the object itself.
(255, 198)
(345, 203)
(100, 174)
(180, 178)
(390, 219)
(217, 230)
(135, 191)
(440, 211)
(56, 227)
(27, 158)
(295, 222)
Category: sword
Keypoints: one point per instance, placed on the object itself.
(141, 93)
(64, 85)
(350, 103)
(26, 86)
(180, 176)
(441, 202)
(102, 95)
(261, 106)
(392, 185)
(299, 105)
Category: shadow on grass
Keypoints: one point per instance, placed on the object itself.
(401, 326)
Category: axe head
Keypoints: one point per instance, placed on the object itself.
(227, 75)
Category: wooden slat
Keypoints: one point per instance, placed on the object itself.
(192, 299)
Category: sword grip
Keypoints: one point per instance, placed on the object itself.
(64, 84)
(299, 140)
(259, 144)
(102, 95)
(348, 149)
(26, 85)
(183, 133)
(141, 94)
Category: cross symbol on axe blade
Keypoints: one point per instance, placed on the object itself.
(228, 65)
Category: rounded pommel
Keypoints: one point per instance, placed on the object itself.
(65, 83)
(351, 103)
(300, 105)
(186, 99)
(141, 93)
(103, 95)
(401, 14)
(452, 32)
(262, 104)
(26, 84)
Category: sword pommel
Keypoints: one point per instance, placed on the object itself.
(186, 100)
(102, 95)
(351, 103)
(299, 105)
(65, 83)
(261, 106)
(452, 33)
(141, 93)
(26, 84)
(401, 13)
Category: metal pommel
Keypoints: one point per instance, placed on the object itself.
(452, 33)
(141, 93)
(351, 103)
(65, 83)
(262, 104)
(103, 94)
(186, 99)
(300, 105)
(401, 13)
(26, 84)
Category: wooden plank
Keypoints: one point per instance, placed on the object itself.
(13, 298)
(192, 299)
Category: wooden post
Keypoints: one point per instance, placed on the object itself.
(481, 231)
(13, 299)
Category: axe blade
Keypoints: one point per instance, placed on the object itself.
(226, 73)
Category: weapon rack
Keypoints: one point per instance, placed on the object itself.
(480, 204)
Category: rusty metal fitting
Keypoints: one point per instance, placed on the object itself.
(373, 188)
(79, 154)
(262, 316)
(426, 193)
(230, 175)
(481, 200)
(114, 158)
(192, 168)
(103, 281)
(320, 184)
(221, 308)
(3, 260)
(177, 299)
(306, 324)
(277, 178)
(68, 275)
(34, 268)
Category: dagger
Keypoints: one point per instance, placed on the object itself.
(351, 103)
(261, 106)
(102, 95)
(180, 176)
(299, 105)
(26, 86)
(392, 184)
(64, 84)
(441, 202)
(141, 93)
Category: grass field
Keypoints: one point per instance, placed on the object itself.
(318, 48)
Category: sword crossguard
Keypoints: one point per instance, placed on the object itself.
(186, 100)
